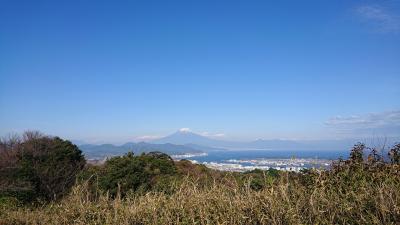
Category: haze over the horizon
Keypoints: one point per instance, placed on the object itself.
(232, 70)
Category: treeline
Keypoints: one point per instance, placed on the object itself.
(45, 180)
(35, 168)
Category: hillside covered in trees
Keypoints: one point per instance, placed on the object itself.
(45, 180)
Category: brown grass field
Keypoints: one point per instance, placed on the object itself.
(348, 194)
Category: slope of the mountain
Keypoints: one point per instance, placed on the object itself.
(184, 141)
(208, 144)
(185, 137)
(198, 141)
(104, 150)
(204, 148)
(78, 142)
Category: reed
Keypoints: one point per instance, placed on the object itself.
(348, 194)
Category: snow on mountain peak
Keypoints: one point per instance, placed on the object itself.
(184, 130)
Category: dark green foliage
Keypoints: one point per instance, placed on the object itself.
(260, 179)
(131, 173)
(51, 167)
(356, 154)
(41, 168)
(257, 184)
(7, 203)
(270, 172)
(394, 154)
(374, 157)
(307, 177)
(273, 173)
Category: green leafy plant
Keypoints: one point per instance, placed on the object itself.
(39, 167)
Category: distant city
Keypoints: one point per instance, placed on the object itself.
(231, 155)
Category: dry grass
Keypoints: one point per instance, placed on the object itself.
(341, 197)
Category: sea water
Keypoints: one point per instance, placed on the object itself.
(244, 160)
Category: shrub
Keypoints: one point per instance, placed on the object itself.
(131, 173)
(38, 167)
(394, 154)
(260, 179)
(356, 153)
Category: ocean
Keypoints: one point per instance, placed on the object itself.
(244, 160)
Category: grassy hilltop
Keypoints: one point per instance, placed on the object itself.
(153, 189)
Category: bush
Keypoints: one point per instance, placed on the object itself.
(129, 173)
(38, 167)
(394, 154)
(260, 179)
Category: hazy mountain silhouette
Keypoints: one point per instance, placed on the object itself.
(183, 137)
(104, 150)
(188, 138)
(185, 141)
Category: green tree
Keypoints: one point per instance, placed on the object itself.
(357, 152)
(135, 173)
(394, 154)
(40, 167)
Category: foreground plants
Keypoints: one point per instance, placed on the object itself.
(361, 190)
(328, 200)
(35, 167)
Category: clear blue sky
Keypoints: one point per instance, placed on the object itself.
(117, 70)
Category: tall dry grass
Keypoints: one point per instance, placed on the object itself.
(345, 196)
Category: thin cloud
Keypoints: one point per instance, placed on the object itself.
(371, 120)
(217, 135)
(205, 134)
(147, 138)
(380, 18)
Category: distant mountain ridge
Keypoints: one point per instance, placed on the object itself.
(185, 141)
(104, 150)
(188, 138)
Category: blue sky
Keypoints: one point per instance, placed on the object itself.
(119, 70)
